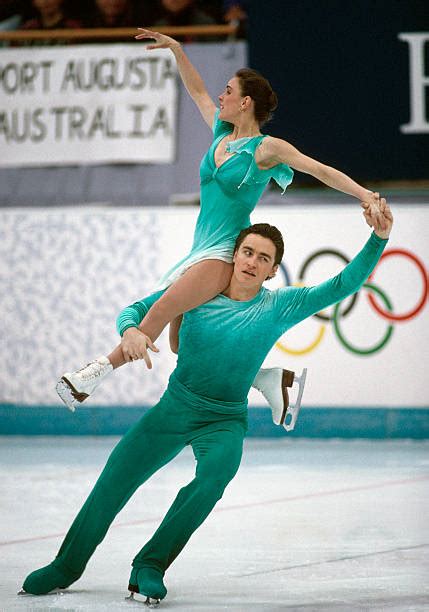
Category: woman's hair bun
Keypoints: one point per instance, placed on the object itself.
(273, 101)
(257, 87)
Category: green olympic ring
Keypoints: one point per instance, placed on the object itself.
(303, 270)
(383, 341)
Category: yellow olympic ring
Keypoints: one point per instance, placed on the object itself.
(311, 346)
(308, 348)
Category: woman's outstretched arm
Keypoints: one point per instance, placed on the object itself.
(276, 151)
(189, 74)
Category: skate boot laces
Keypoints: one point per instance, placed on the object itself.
(91, 370)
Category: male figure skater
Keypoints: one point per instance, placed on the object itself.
(222, 345)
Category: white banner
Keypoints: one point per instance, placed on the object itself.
(66, 273)
(87, 103)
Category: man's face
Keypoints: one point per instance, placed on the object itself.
(254, 261)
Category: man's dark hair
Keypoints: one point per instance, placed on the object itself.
(266, 231)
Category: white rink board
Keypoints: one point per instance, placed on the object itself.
(68, 272)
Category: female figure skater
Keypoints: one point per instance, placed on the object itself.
(234, 173)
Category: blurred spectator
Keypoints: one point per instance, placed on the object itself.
(213, 8)
(10, 14)
(234, 10)
(50, 16)
(181, 12)
(113, 14)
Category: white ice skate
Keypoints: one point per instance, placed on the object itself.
(273, 383)
(76, 386)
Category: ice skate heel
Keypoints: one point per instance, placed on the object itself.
(273, 383)
(133, 586)
(288, 378)
(292, 411)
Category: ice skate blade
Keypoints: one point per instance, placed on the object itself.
(149, 602)
(65, 394)
(293, 411)
(56, 591)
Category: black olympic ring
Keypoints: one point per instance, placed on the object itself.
(303, 270)
(286, 274)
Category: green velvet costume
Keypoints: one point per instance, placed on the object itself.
(222, 346)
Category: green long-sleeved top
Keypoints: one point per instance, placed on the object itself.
(224, 342)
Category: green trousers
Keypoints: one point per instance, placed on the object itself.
(177, 420)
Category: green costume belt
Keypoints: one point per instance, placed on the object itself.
(180, 392)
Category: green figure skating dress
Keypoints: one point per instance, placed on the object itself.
(229, 193)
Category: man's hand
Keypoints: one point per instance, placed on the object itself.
(379, 218)
(372, 205)
(134, 346)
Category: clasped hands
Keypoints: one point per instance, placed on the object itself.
(134, 346)
(378, 215)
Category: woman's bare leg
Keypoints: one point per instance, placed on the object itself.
(202, 282)
(199, 284)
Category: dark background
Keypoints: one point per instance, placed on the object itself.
(342, 77)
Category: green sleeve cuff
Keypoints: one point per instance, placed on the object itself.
(124, 328)
(377, 239)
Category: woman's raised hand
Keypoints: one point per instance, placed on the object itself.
(162, 40)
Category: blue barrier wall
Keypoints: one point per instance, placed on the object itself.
(320, 422)
(350, 76)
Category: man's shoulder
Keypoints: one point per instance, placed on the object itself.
(272, 296)
(275, 293)
(280, 297)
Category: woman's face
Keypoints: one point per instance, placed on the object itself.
(230, 101)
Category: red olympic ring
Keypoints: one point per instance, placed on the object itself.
(412, 313)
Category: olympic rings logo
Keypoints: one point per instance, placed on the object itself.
(377, 298)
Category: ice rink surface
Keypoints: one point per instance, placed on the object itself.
(305, 525)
